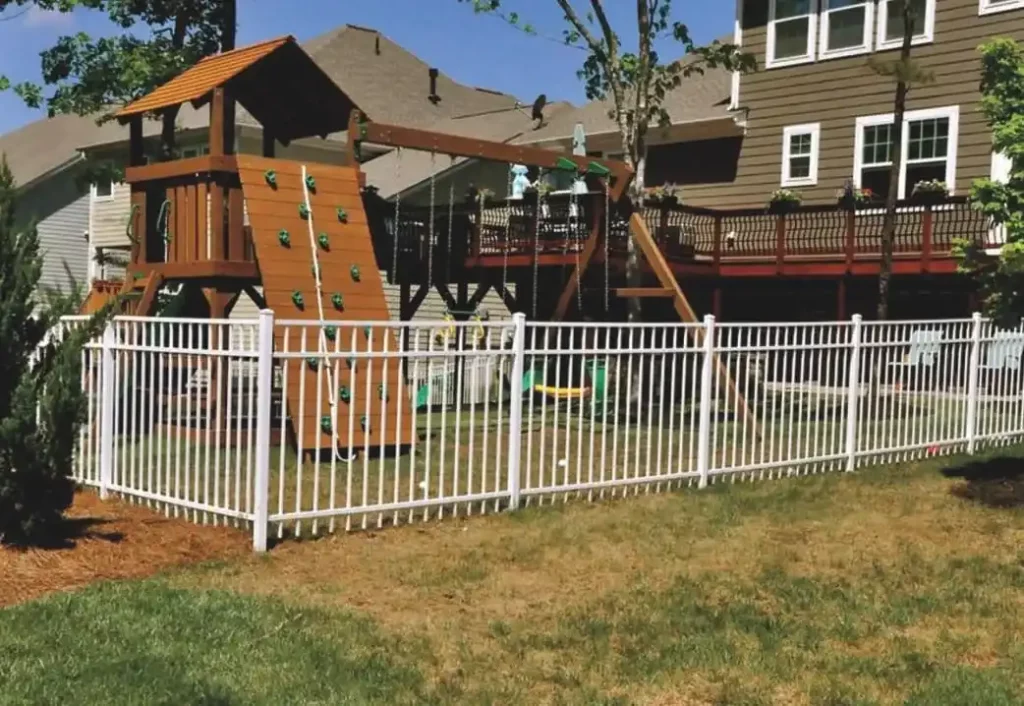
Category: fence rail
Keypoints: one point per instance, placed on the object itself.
(190, 416)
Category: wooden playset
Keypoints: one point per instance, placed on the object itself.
(225, 223)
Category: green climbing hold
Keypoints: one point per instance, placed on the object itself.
(297, 299)
(368, 331)
(312, 269)
(364, 423)
(271, 177)
(382, 392)
(310, 182)
(342, 215)
(284, 238)
(313, 363)
(325, 424)
(303, 210)
(338, 301)
(351, 361)
(323, 241)
(331, 332)
(344, 395)
(354, 270)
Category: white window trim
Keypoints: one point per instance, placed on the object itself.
(109, 197)
(987, 7)
(737, 39)
(814, 129)
(812, 38)
(865, 47)
(926, 37)
(951, 112)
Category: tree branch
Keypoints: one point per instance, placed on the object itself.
(579, 26)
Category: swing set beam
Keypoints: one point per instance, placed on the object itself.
(361, 130)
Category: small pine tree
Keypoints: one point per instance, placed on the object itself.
(41, 398)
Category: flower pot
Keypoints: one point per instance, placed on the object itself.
(781, 208)
(928, 198)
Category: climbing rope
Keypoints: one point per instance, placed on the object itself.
(130, 229)
(398, 208)
(321, 333)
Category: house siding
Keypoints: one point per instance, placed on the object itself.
(60, 211)
(110, 218)
(834, 92)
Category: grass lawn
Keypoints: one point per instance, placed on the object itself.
(888, 586)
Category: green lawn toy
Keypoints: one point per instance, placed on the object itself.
(331, 332)
(338, 301)
(303, 210)
(323, 241)
(342, 215)
(297, 299)
(271, 177)
(325, 424)
(310, 182)
(344, 395)
(354, 271)
(284, 238)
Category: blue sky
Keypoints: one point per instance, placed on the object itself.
(473, 49)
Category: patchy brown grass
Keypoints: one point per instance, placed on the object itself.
(115, 540)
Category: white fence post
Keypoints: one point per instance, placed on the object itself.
(706, 388)
(853, 392)
(264, 382)
(972, 383)
(107, 402)
(515, 415)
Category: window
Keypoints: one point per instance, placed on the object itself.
(988, 7)
(890, 23)
(846, 27)
(929, 150)
(103, 190)
(791, 31)
(800, 155)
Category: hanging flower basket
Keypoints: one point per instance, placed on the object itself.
(853, 199)
(930, 193)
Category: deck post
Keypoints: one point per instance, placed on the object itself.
(927, 238)
(780, 243)
(853, 392)
(515, 416)
(264, 382)
(851, 238)
(706, 387)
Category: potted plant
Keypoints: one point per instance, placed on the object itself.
(666, 194)
(784, 201)
(850, 198)
(930, 192)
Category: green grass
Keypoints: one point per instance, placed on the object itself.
(881, 587)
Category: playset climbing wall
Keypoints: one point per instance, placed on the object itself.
(276, 194)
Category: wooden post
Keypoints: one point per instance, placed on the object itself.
(137, 157)
(217, 122)
(851, 238)
(780, 243)
(716, 301)
(841, 299)
(716, 248)
(927, 238)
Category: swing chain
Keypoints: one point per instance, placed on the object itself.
(574, 215)
(430, 229)
(508, 229)
(536, 248)
(451, 219)
(398, 205)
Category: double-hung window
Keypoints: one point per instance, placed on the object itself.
(800, 146)
(792, 29)
(988, 7)
(846, 27)
(929, 150)
(890, 22)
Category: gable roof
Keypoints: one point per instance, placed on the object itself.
(45, 146)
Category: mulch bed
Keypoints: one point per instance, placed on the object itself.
(113, 540)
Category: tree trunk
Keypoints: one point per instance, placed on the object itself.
(896, 155)
(634, 274)
(229, 26)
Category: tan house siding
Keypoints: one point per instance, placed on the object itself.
(835, 92)
(109, 218)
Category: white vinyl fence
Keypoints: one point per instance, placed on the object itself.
(189, 415)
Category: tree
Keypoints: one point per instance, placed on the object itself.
(636, 82)
(905, 72)
(88, 76)
(41, 399)
(1001, 279)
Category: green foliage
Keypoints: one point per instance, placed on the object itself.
(1001, 278)
(41, 397)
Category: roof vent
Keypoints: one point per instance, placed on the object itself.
(433, 97)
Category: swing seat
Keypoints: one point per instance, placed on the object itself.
(563, 393)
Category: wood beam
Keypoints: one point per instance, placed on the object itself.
(644, 292)
(181, 168)
(256, 297)
(145, 304)
(136, 146)
(394, 136)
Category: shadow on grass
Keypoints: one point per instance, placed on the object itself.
(994, 482)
